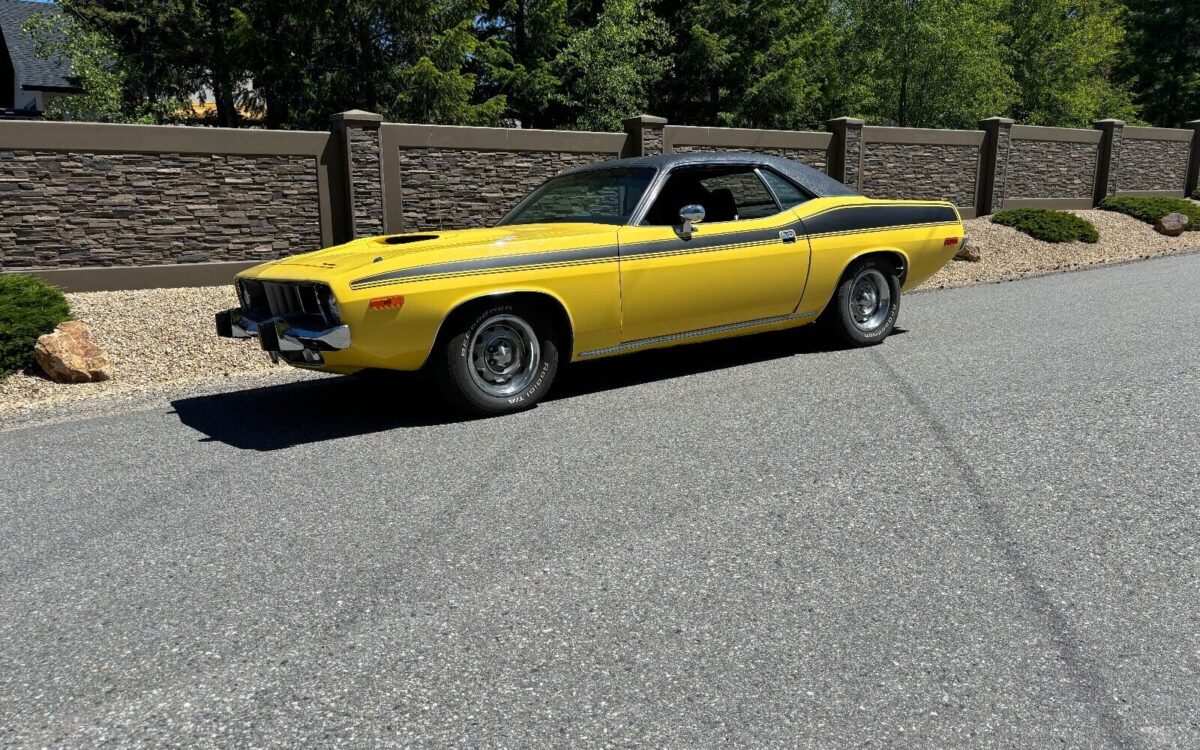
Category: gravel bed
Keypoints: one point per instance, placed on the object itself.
(155, 338)
(1008, 254)
(162, 338)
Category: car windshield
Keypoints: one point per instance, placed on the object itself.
(602, 196)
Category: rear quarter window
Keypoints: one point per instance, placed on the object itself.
(788, 194)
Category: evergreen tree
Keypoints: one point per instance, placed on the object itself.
(1161, 59)
(748, 63)
(609, 68)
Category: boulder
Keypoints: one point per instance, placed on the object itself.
(1171, 225)
(968, 254)
(68, 355)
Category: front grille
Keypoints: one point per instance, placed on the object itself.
(296, 301)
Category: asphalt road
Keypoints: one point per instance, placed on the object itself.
(983, 533)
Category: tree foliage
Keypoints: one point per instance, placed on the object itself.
(1161, 59)
(1063, 54)
(926, 63)
(788, 64)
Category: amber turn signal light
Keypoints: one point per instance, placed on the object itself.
(395, 302)
(951, 241)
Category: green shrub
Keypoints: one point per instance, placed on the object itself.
(1152, 208)
(29, 307)
(1047, 225)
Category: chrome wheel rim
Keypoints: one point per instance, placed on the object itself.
(870, 300)
(505, 355)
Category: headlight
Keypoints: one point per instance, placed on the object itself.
(332, 306)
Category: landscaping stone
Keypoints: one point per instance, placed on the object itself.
(68, 355)
(1171, 225)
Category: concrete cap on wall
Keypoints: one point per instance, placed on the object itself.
(1000, 120)
(1193, 124)
(840, 124)
(357, 118)
(645, 121)
(1105, 124)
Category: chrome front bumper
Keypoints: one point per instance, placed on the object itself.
(277, 335)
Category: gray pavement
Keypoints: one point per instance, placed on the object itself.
(983, 533)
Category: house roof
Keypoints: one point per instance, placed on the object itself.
(31, 73)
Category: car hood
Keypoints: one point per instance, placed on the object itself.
(373, 255)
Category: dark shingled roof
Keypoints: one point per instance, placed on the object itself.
(817, 183)
(31, 72)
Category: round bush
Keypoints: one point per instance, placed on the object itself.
(1048, 226)
(1152, 208)
(29, 307)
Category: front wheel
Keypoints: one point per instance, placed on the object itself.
(865, 305)
(500, 360)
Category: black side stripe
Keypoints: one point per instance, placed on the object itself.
(501, 262)
(838, 220)
(860, 218)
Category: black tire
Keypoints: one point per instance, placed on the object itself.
(518, 335)
(850, 318)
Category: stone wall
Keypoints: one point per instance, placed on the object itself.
(446, 188)
(815, 158)
(62, 210)
(366, 179)
(1050, 169)
(853, 153)
(925, 171)
(1003, 144)
(652, 141)
(1151, 165)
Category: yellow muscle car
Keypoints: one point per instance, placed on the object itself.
(615, 257)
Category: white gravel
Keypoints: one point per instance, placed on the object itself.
(1008, 254)
(163, 338)
(156, 338)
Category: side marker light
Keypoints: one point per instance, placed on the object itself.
(395, 302)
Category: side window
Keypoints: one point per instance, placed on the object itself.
(727, 193)
(787, 193)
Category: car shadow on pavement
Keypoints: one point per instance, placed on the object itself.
(310, 411)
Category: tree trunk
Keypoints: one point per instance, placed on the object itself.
(222, 77)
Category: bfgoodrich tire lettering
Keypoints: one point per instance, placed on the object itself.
(865, 304)
(500, 359)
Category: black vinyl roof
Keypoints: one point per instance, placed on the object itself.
(816, 182)
(31, 72)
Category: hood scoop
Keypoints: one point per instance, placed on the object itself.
(407, 239)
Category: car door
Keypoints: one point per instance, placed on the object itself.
(747, 261)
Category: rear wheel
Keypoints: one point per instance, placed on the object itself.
(501, 359)
(865, 305)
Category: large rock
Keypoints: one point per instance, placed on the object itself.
(70, 356)
(1171, 225)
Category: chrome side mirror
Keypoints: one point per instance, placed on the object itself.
(689, 216)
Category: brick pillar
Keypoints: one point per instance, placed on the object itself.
(845, 150)
(1109, 158)
(993, 176)
(645, 135)
(1193, 175)
(359, 132)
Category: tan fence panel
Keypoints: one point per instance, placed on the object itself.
(81, 194)
(919, 163)
(441, 176)
(805, 147)
(1050, 168)
(1151, 161)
